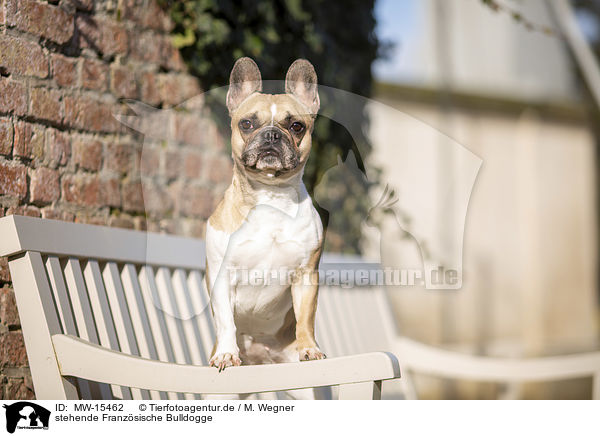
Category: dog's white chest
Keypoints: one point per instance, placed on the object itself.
(271, 239)
(260, 258)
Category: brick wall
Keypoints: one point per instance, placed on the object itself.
(65, 68)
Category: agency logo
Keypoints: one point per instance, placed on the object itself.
(26, 415)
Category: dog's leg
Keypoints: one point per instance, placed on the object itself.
(226, 351)
(304, 298)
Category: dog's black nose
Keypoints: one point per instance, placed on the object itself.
(271, 135)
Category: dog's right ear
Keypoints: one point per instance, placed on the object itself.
(244, 80)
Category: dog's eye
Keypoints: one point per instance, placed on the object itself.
(297, 127)
(246, 124)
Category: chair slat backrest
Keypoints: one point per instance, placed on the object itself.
(352, 319)
(143, 295)
(142, 310)
(122, 321)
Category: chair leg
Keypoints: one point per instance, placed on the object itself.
(370, 390)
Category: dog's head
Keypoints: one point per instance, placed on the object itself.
(271, 133)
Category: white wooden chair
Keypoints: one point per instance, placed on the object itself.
(359, 319)
(117, 314)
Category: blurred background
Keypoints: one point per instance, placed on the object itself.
(496, 81)
(501, 79)
(496, 99)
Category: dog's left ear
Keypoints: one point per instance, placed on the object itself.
(301, 82)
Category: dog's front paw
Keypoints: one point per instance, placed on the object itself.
(311, 353)
(223, 360)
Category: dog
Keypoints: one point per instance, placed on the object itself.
(266, 223)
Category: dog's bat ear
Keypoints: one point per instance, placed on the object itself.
(244, 81)
(301, 82)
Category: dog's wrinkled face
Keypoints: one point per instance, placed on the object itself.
(274, 134)
(271, 133)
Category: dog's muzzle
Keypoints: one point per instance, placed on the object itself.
(270, 150)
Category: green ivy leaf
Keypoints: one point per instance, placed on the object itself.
(185, 40)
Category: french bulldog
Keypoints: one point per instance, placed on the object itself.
(264, 240)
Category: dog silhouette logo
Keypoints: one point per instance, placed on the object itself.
(26, 415)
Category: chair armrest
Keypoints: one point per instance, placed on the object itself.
(80, 358)
(426, 359)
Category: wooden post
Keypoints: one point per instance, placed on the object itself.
(39, 322)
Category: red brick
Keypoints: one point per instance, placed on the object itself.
(157, 17)
(51, 213)
(196, 105)
(146, 47)
(110, 193)
(156, 198)
(129, 9)
(9, 315)
(89, 31)
(64, 70)
(29, 140)
(12, 350)
(148, 14)
(162, 52)
(4, 271)
(80, 190)
(193, 165)
(123, 83)
(90, 218)
(173, 163)
(103, 36)
(149, 161)
(25, 210)
(115, 40)
(191, 129)
(88, 154)
(217, 141)
(88, 114)
(23, 57)
(150, 88)
(6, 136)
(170, 57)
(176, 88)
(44, 186)
(133, 199)
(140, 223)
(57, 214)
(17, 388)
(58, 148)
(94, 75)
(195, 201)
(220, 170)
(171, 226)
(41, 19)
(119, 158)
(46, 104)
(153, 124)
(197, 229)
(123, 222)
(14, 96)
